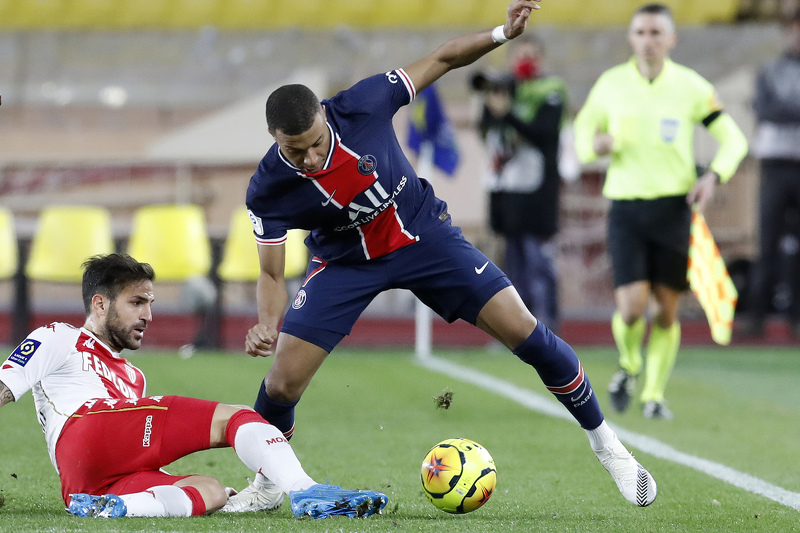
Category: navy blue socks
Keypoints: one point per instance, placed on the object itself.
(279, 414)
(562, 374)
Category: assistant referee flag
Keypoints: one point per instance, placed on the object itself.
(709, 280)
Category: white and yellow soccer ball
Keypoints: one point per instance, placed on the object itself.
(458, 475)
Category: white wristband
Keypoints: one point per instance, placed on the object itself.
(499, 35)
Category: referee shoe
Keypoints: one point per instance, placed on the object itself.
(620, 390)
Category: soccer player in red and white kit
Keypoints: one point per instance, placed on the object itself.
(87, 396)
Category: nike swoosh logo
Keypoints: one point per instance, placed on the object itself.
(480, 270)
(326, 202)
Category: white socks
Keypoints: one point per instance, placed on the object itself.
(160, 501)
(260, 446)
(601, 436)
(263, 448)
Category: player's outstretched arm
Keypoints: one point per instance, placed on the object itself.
(5, 395)
(271, 297)
(464, 50)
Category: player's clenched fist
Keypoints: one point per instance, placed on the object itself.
(259, 340)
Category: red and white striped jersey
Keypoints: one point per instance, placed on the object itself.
(66, 367)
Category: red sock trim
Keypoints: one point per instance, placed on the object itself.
(238, 419)
(198, 505)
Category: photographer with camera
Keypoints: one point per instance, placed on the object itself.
(520, 124)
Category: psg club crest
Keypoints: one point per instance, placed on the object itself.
(367, 164)
(299, 300)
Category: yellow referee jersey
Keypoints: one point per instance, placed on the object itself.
(653, 126)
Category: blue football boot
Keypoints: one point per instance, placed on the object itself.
(106, 506)
(323, 501)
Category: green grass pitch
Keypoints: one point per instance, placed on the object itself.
(369, 417)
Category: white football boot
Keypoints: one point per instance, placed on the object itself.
(634, 482)
(261, 494)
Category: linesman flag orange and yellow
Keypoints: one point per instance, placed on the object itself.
(709, 280)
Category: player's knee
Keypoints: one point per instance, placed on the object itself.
(631, 314)
(213, 493)
(283, 391)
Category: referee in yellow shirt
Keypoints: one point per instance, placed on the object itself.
(643, 115)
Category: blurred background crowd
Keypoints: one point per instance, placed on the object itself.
(127, 105)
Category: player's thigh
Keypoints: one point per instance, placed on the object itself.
(627, 246)
(506, 318)
(141, 481)
(111, 439)
(449, 275)
(294, 364)
(331, 299)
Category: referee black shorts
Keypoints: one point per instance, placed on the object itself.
(648, 240)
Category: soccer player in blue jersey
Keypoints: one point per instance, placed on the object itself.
(337, 170)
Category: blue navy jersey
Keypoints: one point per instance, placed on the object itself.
(367, 201)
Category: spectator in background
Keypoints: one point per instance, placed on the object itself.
(520, 124)
(777, 145)
(643, 115)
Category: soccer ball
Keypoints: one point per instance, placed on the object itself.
(458, 475)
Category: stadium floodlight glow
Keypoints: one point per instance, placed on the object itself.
(113, 96)
(59, 94)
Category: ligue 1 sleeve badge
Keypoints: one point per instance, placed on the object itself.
(22, 354)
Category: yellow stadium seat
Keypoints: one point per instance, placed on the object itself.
(187, 14)
(358, 13)
(65, 237)
(173, 239)
(296, 254)
(134, 14)
(33, 14)
(455, 13)
(240, 255)
(257, 14)
(400, 13)
(94, 14)
(9, 253)
(709, 12)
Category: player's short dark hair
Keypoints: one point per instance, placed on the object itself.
(109, 274)
(291, 109)
(655, 9)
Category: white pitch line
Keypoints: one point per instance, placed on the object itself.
(537, 402)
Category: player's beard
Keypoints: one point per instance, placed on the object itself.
(119, 335)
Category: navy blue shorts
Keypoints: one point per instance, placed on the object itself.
(442, 269)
